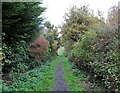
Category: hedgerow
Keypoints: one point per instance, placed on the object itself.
(92, 44)
(100, 52)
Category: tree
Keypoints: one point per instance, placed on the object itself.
(77, 22)
(112, 19)
(21, 22)
(93, 45)
(51, 34)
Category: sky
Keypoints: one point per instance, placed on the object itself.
(56, 9)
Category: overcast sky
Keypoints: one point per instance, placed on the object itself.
(57, 8)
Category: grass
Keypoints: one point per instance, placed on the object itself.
(43, 78)
(70, 76)
(38, 79)
(48, 75)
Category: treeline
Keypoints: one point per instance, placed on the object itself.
(25, 45)
(92, 44)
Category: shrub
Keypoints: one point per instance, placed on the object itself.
(82, 48)
(14, 55)
(100, 51)
(39, 48)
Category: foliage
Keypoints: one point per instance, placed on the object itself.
(77, 22)
(14, 55)
(94, 46)
(101, 52)
(1, 54)
(113, 18)
(91, 43)
(38, 79)
(21, 22)
(61, 51)
(51, 34)
(38, 48)
(82, 48)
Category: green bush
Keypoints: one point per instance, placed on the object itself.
(18, 53)
(21, 25)
(34, 79)
(82, 49)
(101, 53)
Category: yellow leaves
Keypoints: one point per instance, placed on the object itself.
(2, 55)
(94, 21)
(55, 42)
(50, 33)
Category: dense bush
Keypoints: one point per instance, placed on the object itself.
(17, 53)
(21, 23)
(94, 47)
(82, 48)
(51, 34)
(38, 79)
(77, 22)
(39, 49)
(101, 53)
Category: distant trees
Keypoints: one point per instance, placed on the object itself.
(51, 34)
(77, 22)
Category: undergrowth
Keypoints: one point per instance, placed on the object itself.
(39, 79)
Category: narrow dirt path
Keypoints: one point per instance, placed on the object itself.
(60, 84)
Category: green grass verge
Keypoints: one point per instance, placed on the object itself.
(48, 77)
(70, 78)
(38, 79)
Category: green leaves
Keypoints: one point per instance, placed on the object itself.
(38, 79)
(61, 51)
(20, 19)
(82, 48)
(20, 24)
(78, 22)
(92, 43)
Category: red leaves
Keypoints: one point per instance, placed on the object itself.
(41, 42)
(38, 48)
